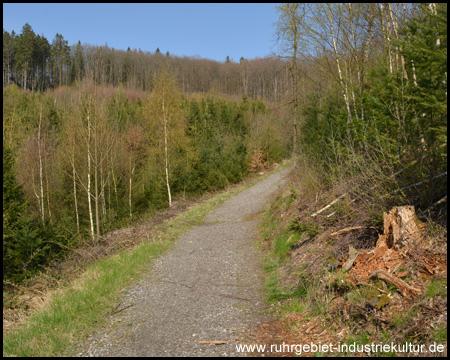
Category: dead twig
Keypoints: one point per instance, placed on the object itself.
(342, 231)
(120, 310)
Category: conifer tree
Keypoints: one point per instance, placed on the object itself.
(25, 52)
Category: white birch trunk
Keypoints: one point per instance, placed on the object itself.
(96, 198)
(386, 36)
(41, 180)
(75, 192)
(91, 219)
(166, 154)
(341, 80)
(131, 176)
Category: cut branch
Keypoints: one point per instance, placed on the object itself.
(405, 288)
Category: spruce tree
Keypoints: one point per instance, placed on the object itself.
(25, 52)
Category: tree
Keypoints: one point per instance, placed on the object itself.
(60, 54)
(291, 32)
(79, 61)
(42, 54)
(14, 206)
(165, 123)
(25, 52)
(9, 50)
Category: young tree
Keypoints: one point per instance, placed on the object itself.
(165, 123)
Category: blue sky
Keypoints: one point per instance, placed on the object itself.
(210, 31)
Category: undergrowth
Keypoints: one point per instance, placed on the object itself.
(308, 289)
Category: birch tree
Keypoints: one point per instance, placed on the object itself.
(291, 37)
(165, 123)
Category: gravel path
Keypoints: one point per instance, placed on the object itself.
(207, 288)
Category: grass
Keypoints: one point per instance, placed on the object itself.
(81, 306)
(437, 287)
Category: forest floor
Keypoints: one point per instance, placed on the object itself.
(201, 297)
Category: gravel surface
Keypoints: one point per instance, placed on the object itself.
(207, 288)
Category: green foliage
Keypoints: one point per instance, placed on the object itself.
(404, 123)
(208, 148)
(25, 240)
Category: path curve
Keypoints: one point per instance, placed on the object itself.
(207, 288)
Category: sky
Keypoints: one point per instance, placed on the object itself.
(211, 31)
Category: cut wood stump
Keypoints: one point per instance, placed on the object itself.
(400, 227)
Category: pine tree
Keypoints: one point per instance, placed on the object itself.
(9, 50)
(60, 53)
(25, 52)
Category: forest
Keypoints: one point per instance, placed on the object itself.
(95, 137)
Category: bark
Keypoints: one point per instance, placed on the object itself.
(394, 26)
(91, 220)
(341, 79)
(131, 177)
(46, 180)
(404, 287)
(96, 197)
(41, 180)
(386, 36)
(166, 157)
(75, 192)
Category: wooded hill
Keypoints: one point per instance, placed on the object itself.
(359, 92)
(32, 62)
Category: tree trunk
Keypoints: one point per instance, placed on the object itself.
(96, 198)
(386, 36)
(75, 193)
(166, 155)
(341, 79)
(41, 179)
(46, 180)
(131, 176)
(91, 220)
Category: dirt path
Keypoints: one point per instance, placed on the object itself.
(207, 288)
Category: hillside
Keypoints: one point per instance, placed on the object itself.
(105, 149)
(336, 275)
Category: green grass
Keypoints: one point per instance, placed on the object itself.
(82, 305)
(437, 287)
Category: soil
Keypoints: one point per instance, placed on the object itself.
(208, 288)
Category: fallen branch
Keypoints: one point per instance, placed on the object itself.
(405, 288)
(329, 205)
(213, 342)
(418, 183)
(444, 199)
(342, 231)
(118, 311)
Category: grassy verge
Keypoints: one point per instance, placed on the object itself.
(82, 305)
